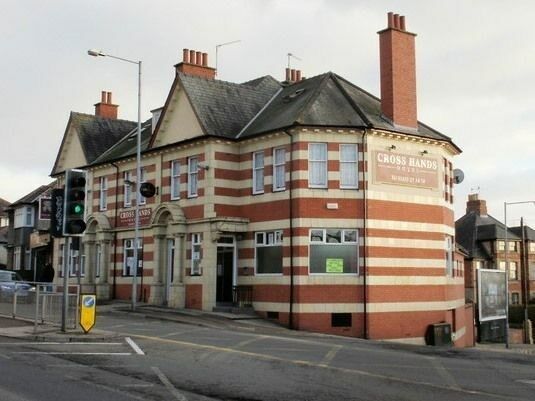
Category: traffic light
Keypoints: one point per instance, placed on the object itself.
(73, 218)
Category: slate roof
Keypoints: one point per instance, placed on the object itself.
(127, 145)
(33, 196)
(224, 108)
(4, 204)
(328, 100)
(96, 134)
(473, 228)
(529, 232)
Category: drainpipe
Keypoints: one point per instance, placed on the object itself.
(114, 287)
(365, 252)
(291, 301)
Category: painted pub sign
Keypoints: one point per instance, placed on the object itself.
(403, 169)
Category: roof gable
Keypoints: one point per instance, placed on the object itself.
(86, 137)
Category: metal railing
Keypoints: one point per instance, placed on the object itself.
(242, 295)
(40, 302)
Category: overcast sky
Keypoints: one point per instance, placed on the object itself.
(475, 71)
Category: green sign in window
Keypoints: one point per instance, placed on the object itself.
(335, 265)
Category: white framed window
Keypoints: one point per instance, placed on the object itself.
(515, 298)
(16, 258)
(268, 252)
(82, 265)
(258, 172)
(103, 197)
(513, 271)
(175, 179)
(28, 259)
(193, 176)
(449, 256)
(532, 246)
(349, 166)
(501, 265)
(279, 169)
(98, 259)
(501, 245)
(512, 246)
(317, 165)
(142, 179)
(333, 251)
(75, 263)
(128, 256)
(127, 193)
(23, 217)
(196, 254)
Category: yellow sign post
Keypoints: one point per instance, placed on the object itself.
(88, 312)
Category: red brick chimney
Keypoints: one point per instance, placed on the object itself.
(105, 108)
(398, 72)
(196, 64)
(476, 205)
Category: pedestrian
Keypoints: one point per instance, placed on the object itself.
(47, 275)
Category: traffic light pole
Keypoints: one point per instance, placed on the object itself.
(65, 264)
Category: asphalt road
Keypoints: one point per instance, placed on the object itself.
(153, 359)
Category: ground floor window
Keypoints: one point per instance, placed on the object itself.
(196, 256)
(268, 252)
(333, 251)
(515, 298)
(128, 256)
(16, 258)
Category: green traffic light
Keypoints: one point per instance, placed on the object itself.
(77, 209)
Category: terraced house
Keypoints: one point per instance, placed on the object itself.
(312, 200)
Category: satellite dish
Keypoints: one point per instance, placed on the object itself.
(458, 176)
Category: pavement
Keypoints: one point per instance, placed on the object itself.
(25, 329)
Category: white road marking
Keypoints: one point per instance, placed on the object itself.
(134, 346)
(163, 378)
(527, 381)
(59, 343)
(331, 354)
(251, 340)
(4, 356)
(72, 353)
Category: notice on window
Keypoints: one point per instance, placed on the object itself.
(334, 265)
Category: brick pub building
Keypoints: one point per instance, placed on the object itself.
(322, 206)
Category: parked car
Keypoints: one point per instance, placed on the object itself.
(10, 283)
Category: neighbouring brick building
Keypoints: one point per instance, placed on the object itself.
(322, 206)
(483, 237)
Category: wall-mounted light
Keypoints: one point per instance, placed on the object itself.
(203, 166)
(423, 152)
(392, 147)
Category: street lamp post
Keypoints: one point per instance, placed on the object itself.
(99, 53)
(505, 204)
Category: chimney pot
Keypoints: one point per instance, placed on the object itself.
(103, 97)
(402, 22)
(109, 98)
(195, 63)
(205, 59)
(185, 56)
(298, 75)
(192, 57)
(288, 77)
(390, 19)
(105, 108)
(292, 75)
(396, 21)
(198, 58)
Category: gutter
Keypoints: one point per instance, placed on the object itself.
(114, 287)
(365, 251)
(291, 300)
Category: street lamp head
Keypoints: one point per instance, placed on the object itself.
(95, 53)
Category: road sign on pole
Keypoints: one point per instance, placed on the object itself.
(88, 312)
